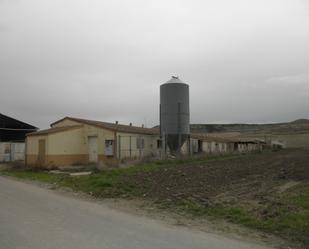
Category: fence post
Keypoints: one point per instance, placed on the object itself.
(10, 152)
(25, 152)
(119, 147)
(140, 146)
(130, 148)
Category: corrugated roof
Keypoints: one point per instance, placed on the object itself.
(249, 140)
(9, 122)
(210, 138)
(53, 130)
(218, 138)
(114, 126)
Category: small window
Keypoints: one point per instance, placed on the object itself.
(109, 147)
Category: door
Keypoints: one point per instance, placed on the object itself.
(200, 146)
(42, 152)
(93, 149)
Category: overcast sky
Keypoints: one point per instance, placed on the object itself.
(245, 60)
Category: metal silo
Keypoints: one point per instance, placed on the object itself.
(174, 114)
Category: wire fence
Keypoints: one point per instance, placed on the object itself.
(135, 147)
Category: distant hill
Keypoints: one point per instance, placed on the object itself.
(299, 125)
(294, 126)
(300, 121)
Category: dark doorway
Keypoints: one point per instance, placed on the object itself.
(200, 146)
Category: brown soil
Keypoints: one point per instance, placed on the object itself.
(245, 177)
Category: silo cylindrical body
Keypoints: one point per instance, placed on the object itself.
(174, 113)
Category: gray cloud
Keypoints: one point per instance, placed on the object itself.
(245, 61)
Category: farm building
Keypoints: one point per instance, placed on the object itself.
(246, 145)
(12, 138)
(203, 143)
(208, 144)
(72, 141)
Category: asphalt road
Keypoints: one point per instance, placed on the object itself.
(37, 218)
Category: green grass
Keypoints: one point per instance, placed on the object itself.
(299, 196)
(99, 184)
(33, 175)
(290, 225)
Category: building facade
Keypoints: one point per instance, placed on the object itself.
(209, 144)
(72, 141)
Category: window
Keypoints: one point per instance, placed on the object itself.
(140, 144)
(109, 147)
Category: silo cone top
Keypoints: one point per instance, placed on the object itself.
(174, 79)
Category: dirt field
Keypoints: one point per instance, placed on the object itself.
(244, 177)
(268, 191)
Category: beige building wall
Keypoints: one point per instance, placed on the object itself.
(206, 147)
(92, 131)
(65, 148)
(215, 147)
(69, 142)
(33, 144)
(221, 147)
(61, 148)
(72, 146)
(242, 147)
(102, 135)
(32, 149)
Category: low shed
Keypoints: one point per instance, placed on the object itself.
(208, 144)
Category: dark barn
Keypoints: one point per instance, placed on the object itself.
(12, 130)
